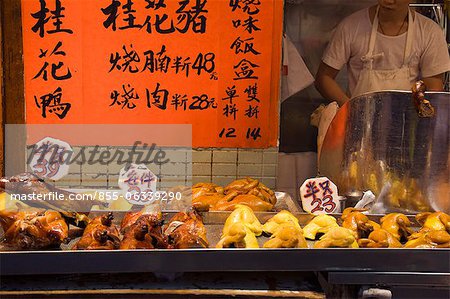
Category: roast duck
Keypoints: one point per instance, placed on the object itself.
(100, 233)
(248, 191)
(27, 230)
(186, 230)
(28, 183)
(142, 230)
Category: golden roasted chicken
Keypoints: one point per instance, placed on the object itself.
(27, 230)
(357, 222)
(252, 187)
(397, 224)
(380, 238)
(428, 238)
(186, 230)
(100, 234)
(434, 221)
(228, 203)
(243, 214)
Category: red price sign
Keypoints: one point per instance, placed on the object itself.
(319, 196)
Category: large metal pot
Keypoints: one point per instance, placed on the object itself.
(378, 142)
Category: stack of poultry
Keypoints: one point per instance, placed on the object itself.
(248, 191)
(284, 231)
(99, 234)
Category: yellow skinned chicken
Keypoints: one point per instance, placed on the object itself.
(287, 235)
(434, 221)
(427, 238)
(396, 224)
(380, 238)
(337, 237)
(319, 225)
(282, 217)
(238, 236)
(357, 222)
(240, 229)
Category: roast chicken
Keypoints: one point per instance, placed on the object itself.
(252, 187)
(186, 230)
(243, 214)
(397, 224)
(287, 235)
(340, 237)
(100, 234)
(282, 217)
(380, 238)
(320, 224)
(142, 231)
(28, 230)
(428, 238)
(357, 222)
(434, 221)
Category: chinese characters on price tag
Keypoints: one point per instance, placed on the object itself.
(138, 184)
(48, 158)
(319, 196)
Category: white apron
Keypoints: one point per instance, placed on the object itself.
(371, 80)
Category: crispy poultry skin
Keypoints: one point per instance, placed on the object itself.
(434, 221)
(380, 238)
(186, 230)
(142, 230)
(320, 224)
(428, 238)
(28, 183)
(33, 229)
(205, 189)
(357, 222)
(252, 201)
(238, 235)
(100, 234)
(282, 217)
(252, 187)
(397, 224)
(340, 237)
(206, 202)
(286, 235)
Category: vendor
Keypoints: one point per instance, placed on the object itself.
(385, 47)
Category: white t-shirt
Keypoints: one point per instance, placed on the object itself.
(350, 42)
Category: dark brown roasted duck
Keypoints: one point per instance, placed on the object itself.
(99, 234)
(27, 230)
(186, 230)
(142, 230)
(28, 183)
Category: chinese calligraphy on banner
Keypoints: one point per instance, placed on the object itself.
(214, 64)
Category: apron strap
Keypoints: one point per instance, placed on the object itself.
(409, 39)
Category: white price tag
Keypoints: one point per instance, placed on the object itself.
(50, 158)
(319, 196)
(138, 184)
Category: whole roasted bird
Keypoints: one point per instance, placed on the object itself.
(428, 238)
(186, 230)
(397, 224)
(142, 230)
(30, 184)
(357, 222)
(287, 235)
(251, 187)
(339, 237)
(320, 224)
(434, 221)
(27, 230)
(100, 234)
(380, 238)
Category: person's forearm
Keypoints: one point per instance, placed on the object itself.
(330, 90)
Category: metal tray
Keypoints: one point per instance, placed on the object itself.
(204, 260)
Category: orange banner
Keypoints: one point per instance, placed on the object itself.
(214, 64)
